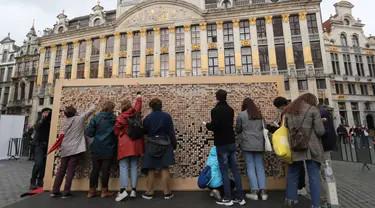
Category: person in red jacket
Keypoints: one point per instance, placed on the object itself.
(129, 149)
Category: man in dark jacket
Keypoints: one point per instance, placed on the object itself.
(343, 133)
(222, 117)
(40, 141)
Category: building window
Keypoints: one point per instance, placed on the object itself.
(164, 38)
(367, 106)
(6, 96)
(343, 114)
(228, 32)
(359, 64)
(244, 30)
(356, 114)
(286, 85)
(281, 57)
(35, 67)
(321, 84)
(294, 25)
(213, 65)
(10, 72)
(355, 41)
(298, 55)
(19, 68)
(123, 42)
(47, 57)
(212, 33)
(323, 101)
(195, 34)
(56, 75)
(364, 90)
(23, 91)
(58, 53)
(247, 62)
(150, 39)
(277, 27)
(316, 54)
(149, 66)
(110, 44)
(230, 63)
(335, 63)
(70, 51)
(80, 71)
(41, 101)
(122, 68)
(344, 41)
(97, 22)
(339, 88)
(82, 49)
(136, 42)
(68, 72)
(180, 36)
(31, 90)
(136, 66)
(352, 90)
(5, 56)
(108, 68)
(371, 65)
(261, 28)
(164, 65)
(45, 78)
(312, 24)
(302, 85)
(196, 61)
(95, 47)
(51, 100)
(263, 58)
(2, 74)
(11, 58)
(94, 69)
(180, 64)
(348, 65)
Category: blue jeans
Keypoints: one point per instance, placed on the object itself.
(124, 173)
(226, 155)
(255, 170)
(313, 170)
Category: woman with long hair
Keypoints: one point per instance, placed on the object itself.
(250, 124)
(305, 128)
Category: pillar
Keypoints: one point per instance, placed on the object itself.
(172, 51)
(204, 48)
(103, 42)
(75, 57)
(52, 64)
(42, 52)
(157, 52)
(254, 45)
(237, 45)
(64, 56)
(143, 52)
(306, 42)
(220, 47)
(116, 55)
(129, 58)
(88, 58)
(187, 49)
(271, 46)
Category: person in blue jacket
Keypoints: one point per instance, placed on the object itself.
(216, 181)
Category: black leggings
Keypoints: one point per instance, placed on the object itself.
(97, 165)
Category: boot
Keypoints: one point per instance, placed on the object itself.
(106, 193)
(92, 193)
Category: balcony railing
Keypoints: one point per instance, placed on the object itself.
(301, 72)
(314, 37)
(279, 40)
(357, 50)
(319, 71)
(241, 2)
(283, 73)
(180, 49)
(229, 45)
(262, 41)
(296, 38)
(345, 49)
(211, 6)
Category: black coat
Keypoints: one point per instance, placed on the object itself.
(222, 117)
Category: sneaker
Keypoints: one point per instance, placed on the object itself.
(147, 196)
(169, 196)
(239, 201)
(54, 195)
(302, 192)
(133, 194)
(216, 194)
(66, 195)
(253, 195)
(225, 202)
(121, 196)
(263, 195)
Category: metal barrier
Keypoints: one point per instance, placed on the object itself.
(18, 147)
(359, 149)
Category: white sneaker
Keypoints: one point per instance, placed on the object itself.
(253, 197)
(224, 202)
(121, 196)
(133, 194)
(302, 192)
(264, 197)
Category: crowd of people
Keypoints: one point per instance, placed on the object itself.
(127, 136)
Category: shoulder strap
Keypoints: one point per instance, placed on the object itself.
(303, 120)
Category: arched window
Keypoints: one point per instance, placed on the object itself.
(344, 41)
(28, 49)
(36, 51)
(355, 41)
(61, 29)
(97, 22)
(21, 54)
(346, 22)
(11, 58)
(5, 56)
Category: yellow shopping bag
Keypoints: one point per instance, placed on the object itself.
(281, 143)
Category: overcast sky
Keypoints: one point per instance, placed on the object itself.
(17, 16)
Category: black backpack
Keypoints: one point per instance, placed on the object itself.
(135, 127)
(329, 139)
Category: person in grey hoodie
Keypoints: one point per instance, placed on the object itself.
(250, 124)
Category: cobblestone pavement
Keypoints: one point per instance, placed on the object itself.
(14, 180)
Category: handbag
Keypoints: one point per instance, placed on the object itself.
(158, 144)
(267, 143)
(281, 143)
(204, 178)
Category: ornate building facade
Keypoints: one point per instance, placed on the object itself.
(162, 38)
(351, 61)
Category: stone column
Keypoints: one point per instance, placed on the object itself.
(271, 46)
(306, 42)
(88, 58)
(220, 47)
(42, 51)
(237, 45)
(116, 55)
(156, 52)
(52, 64)
(103, 43)
(129, 58)
(143, 52)
(172, 51)
(204, 48)
(187, 49)
(75, 57)
(254, 45)
(64, 56)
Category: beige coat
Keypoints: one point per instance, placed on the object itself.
(313, 123)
